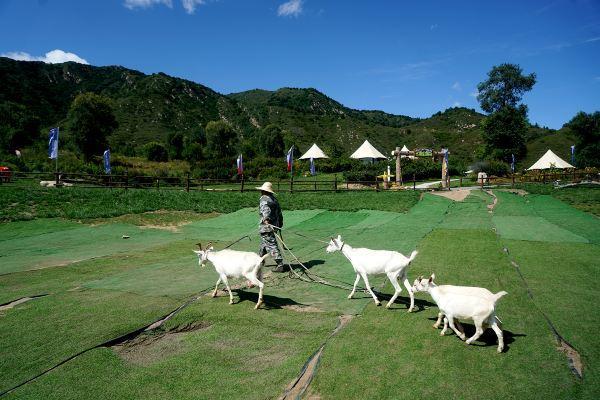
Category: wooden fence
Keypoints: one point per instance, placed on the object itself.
(187, 183)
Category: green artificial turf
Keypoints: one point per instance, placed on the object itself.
(101, 286)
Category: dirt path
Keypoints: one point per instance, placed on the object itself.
(456, 194)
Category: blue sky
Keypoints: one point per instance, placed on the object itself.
(403, 57)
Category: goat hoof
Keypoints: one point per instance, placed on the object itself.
(350, 296)
(435, 326)
(231, 302)
(377, 303)
(257, 306)
(442, 333)
(410, 309)
(500, 349)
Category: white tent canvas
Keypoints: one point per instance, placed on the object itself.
(550, 160)
(314, 152)
(366, 150)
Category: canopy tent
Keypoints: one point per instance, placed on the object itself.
(366, 150)
(550, 160)
(314, 152)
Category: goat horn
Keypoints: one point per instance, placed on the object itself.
(208, 245)
(199, 245)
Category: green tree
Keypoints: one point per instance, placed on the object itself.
(221, 139)
(270, 141)
(506, 125)
(587, 129)
(91, 122)
(504, 133)
(156, 152)
(18, 127)
(175, 141)
(504, 87)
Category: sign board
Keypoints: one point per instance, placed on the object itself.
(424, 152)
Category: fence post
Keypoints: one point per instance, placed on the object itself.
(292, 184)
(376, 185)
(315, 183)
(126, 180)
(242, 186)
(335, 183)
(187, 182)
(414, 182)
(481, 183)
(56, 178)
(544, 177)
(513, 181)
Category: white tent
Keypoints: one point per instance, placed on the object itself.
(314, 152)
(366, 150)
(550, 160)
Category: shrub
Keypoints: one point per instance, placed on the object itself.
(155, 151)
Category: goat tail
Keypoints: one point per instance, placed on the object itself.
(498, 295)
(412, 256)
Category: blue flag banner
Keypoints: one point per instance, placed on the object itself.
(573, 155)
(53, 144)
(240, 165)
(512, 164)
(106, 157)
(312, 167)
(290, 159)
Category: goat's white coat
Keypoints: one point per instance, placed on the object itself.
(464, 302)
(370, 262)
(234, 264)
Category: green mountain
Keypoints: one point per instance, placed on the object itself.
(149, 107)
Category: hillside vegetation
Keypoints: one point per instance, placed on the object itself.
(150, 107)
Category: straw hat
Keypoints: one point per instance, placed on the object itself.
(266, 187)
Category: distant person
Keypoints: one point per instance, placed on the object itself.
(271, 222)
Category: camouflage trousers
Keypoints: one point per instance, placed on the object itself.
(268, 244)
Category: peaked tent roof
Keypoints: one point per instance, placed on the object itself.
(366, 150)
(313, 152)
(550, 160)
(404, 148)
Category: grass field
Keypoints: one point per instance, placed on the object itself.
(97, 286)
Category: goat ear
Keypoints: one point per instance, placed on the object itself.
(340, 238)
(197, 251)
(431, 278)
(419, 278)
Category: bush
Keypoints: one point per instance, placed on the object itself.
(155, 151)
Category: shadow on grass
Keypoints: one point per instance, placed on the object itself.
(308, 264)
(488, 338)
(270, 302)
(420, 304)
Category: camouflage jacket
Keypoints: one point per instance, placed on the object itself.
(269, 209)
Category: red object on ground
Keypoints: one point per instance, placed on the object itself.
(5, 174)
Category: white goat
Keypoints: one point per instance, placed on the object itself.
(368, 262)
(463, 302)
(234, 264)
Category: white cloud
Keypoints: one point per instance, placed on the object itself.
(190, 5)
(292, 8)
(594, 39)
(131, 4)
(52, 57)
(456, 104)
(456, 86)
(432, 27)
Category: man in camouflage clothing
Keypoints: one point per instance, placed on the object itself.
(271, 221)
